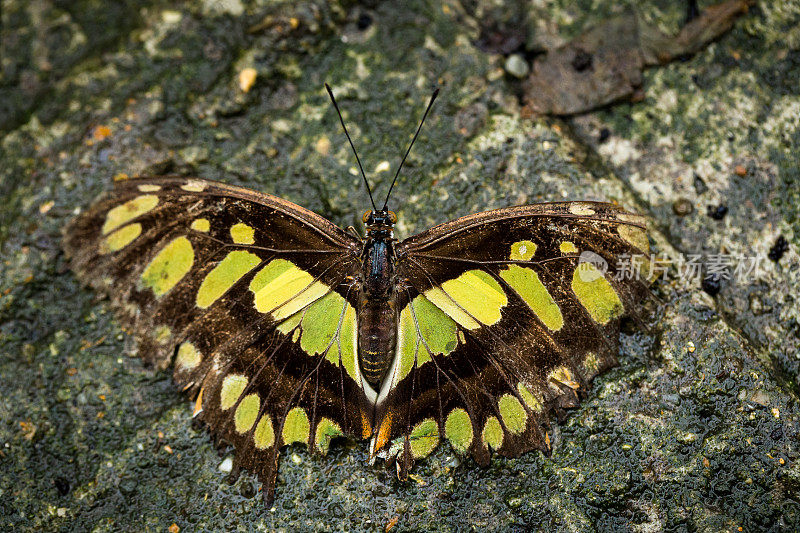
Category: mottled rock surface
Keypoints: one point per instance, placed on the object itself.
(697, 429)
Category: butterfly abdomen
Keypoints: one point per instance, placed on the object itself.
(377, 315)
(377, 324)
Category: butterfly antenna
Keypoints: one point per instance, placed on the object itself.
(421, 122)
(335, 105)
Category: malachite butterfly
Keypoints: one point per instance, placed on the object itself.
(286, 329)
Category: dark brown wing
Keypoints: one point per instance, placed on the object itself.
(247, 294)
(507, 314)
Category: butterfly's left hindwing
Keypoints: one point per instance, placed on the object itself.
(246, 295)
(502, 323)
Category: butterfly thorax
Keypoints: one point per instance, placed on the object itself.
(377, 314)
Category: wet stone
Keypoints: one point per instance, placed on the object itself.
(701, 435)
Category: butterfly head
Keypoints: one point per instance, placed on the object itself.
(376, 221)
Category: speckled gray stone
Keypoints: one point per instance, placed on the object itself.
(697, 429)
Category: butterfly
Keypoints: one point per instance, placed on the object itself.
(285, 328)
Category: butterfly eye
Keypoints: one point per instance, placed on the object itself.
(366, 216)
(392, 217)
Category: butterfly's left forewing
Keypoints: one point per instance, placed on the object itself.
(247, 295)
(503, 320)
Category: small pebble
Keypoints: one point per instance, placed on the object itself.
(711, 285)
(717, 212)
(323, 145)
(740, 170)
(226, 466)
(247, 77)
(171, 17)
(699, 185)
(682, 207)
(778, 249)
(517, 66)
(760, 397)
